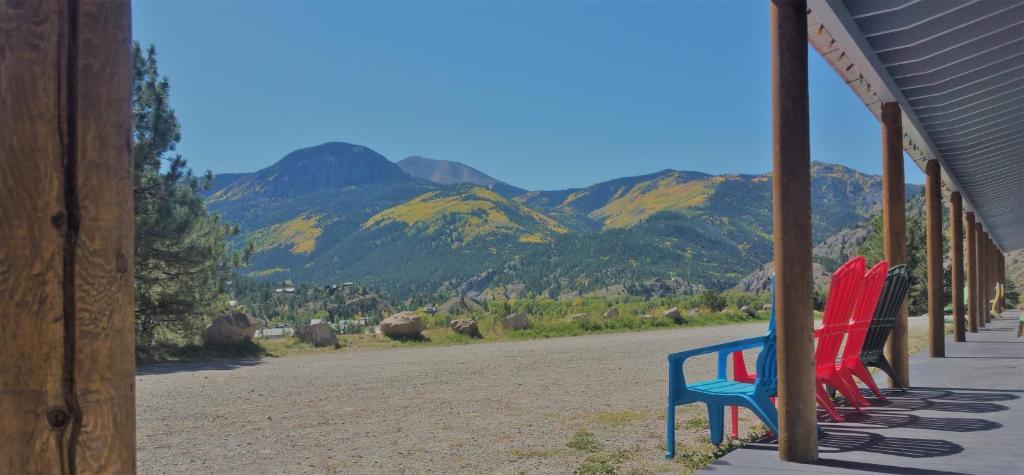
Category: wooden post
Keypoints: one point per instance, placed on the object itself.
(979, 251)
(956, 263)
(791, 224)
(972, 273)
(894, 229)
(933, 234)
(990, 266)
(1002, 279)
(67, 397)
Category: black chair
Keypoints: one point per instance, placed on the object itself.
(897, 284)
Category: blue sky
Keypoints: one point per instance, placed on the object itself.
(543, 95)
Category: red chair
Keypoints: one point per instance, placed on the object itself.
(842, 297)
(848, 288)
(863, 313)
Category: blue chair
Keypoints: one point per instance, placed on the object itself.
(720, 392)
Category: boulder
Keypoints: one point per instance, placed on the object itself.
(516, 321)
(748, 310)
(674, 314)
(612, 312)
(319, 334)
(466, 327)
(402, 325)
(231, 329)
(579, 317)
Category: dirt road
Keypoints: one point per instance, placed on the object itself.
(510, 407)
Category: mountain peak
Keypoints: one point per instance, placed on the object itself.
(331, 165)
(446, 172)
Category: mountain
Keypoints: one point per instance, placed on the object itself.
(444, 172)
(465, 213)
(343, 212)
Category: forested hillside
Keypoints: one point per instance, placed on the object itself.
(343, 212)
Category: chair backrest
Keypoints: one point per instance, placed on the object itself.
(864, 309)
(767, 367)
(842, 295)
(897, 284)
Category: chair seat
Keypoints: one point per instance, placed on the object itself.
(720, 387)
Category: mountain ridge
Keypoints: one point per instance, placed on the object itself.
(343, 212)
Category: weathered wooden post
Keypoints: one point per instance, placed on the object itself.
(67, 398)
(979, 251)
(956, 263)
(894, 228)
(933, 235)
(972, 273)
(791, 222)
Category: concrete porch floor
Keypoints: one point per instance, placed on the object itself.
(964, 414)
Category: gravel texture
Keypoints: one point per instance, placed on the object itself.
(509, 407)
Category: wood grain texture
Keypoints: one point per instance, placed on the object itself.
(66, 325)
(791, 224)
(104, 364)
(31, 236)
(970, 251)
(933, 235)
(956, 264)
(894, 230)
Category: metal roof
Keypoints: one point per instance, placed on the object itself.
(957, 70)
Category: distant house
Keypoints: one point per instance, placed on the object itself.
(277, 332)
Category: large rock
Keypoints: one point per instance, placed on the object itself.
(402, 325)
(319, 334)
(232, 329)
(611, 312)
(579, 318)
(748, 310)
(674, 314)
(466, 327)
(516, 321)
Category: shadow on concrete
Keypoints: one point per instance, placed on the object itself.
(911, 421)
(167, 368)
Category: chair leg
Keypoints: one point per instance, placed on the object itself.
(735, 410)
(670, 430)
(883, 364)
(858, 370)
(850, 394)
(847, 377)
(716, 422)
(765, 410)
(826, 403)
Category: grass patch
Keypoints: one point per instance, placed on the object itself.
(603, 462)
(584, 441)
(698, 423)
(697, 457)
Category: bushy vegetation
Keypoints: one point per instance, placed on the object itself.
(917, 254)
(182, 257)
(550, 317)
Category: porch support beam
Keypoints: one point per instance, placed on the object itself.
(933, 236)
(972, 272)
(979, 251)
(956, 263)
(67, 394)
(894, 229)
(791, 221)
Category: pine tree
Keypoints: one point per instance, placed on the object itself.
(182, 256)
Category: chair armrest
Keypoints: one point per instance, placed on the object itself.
(723, 350)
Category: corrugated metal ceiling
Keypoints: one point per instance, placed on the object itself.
(959, 67)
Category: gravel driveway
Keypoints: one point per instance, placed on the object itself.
(509, 407)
